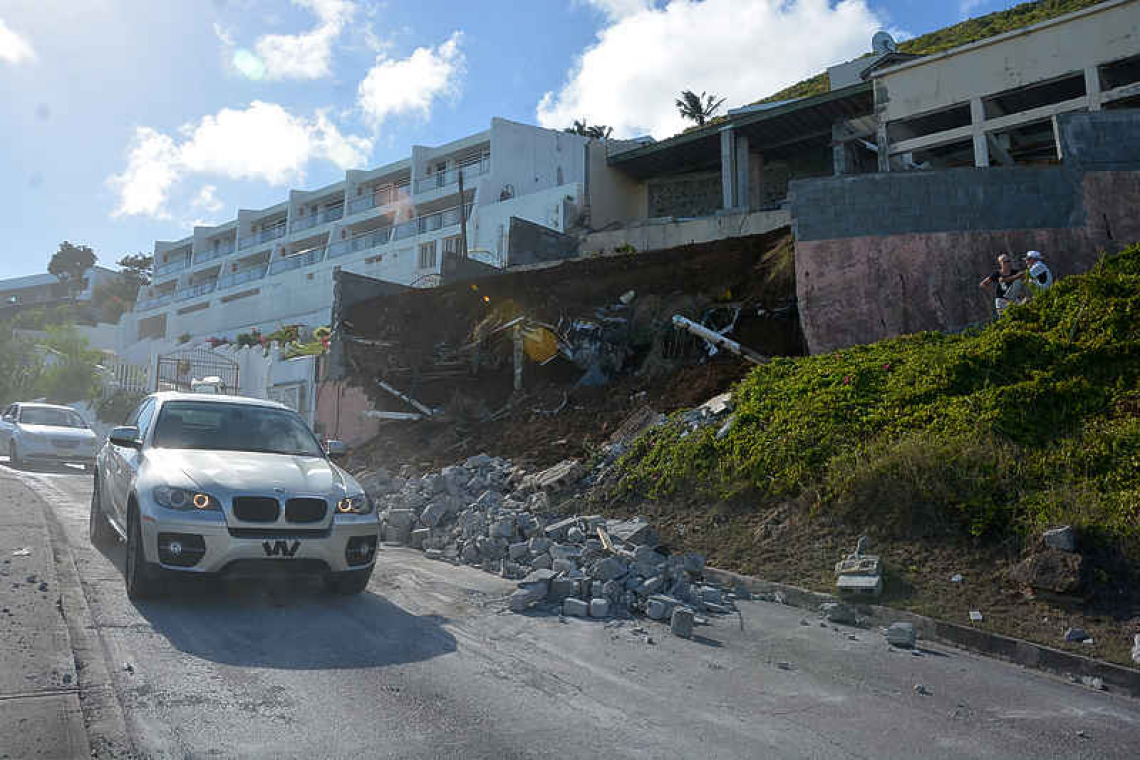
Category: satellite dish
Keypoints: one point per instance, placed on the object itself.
(883, 43)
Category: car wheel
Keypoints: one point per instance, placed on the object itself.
(99, 530)
(13, 455)
(139, 574)
(348, 583)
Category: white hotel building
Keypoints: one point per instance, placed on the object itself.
(271, 267)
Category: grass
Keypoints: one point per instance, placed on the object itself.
(992, 434)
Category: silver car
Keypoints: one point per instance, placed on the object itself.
(221, 484)
(33, 432)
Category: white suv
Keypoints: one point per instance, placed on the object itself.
(223, 484)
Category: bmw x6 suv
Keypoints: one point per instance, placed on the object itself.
(222, 484)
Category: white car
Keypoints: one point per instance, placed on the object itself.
(222, 484)
(32, 432)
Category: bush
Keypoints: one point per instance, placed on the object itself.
(114, 409)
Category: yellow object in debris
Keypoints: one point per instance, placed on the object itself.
(540, 344)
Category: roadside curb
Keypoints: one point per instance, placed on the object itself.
(1017, 651)
(102, 713)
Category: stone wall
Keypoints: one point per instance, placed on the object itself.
(686, 195)
(888, 254)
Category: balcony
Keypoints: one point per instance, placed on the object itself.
(153, 303)
(304, 223)
(451, 176)
(402, 231)
(262, 237)
(194, 291)
(170, 267)
(241, 277)
(379, 197)
(223, 250)
(297, 261)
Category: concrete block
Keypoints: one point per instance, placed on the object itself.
(561, 588)
(596, 589)
(1064, 538)
(681, 622)
(657, 609)
(609, 569)
(542, 561)
(503, 528)
(433, 513)
(651, 586)
(599, 608)
(839, 613)
(518, 551)
(418, 536)
(565, 551)
(537, 576)
(564, 566)
(557, 531)
(901, 635)
(711, 595)
(539, 544)
(575, 608)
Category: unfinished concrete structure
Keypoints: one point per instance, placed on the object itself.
(994, 102)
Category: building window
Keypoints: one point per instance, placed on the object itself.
(427, 255)
(451, 245)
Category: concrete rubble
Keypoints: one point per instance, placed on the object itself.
(490, 514)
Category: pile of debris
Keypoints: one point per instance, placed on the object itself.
(490, 514)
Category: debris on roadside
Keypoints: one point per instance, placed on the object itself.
(24, 552)
(975, 616)
(487, 513)
(901, 635)
(1136, 649)
(920, 689)
(1077, 635)
(859, 574)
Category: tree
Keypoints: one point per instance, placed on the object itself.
(19, 369)
(698, 108)
(70, 263)
(136, 268)
(595, 131)
(69, 374)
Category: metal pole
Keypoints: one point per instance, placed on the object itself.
(462, 218)
(718, 340)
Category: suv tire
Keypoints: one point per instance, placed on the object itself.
(138, 573)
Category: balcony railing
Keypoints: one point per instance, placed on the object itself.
(332, 214)
(194, 291)
(241, 277)
(222, 250)
(304, 222)
(263, 236)
(410, 228)
(297, 261)
(379, 197)
(177, 265)
(147, 304)
(451, 176)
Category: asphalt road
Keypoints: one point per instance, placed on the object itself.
(428, 664)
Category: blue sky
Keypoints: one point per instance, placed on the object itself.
(126, 121)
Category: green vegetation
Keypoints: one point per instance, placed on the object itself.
(971, 30)
(998, 432)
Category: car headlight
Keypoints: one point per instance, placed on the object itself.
(354, 504)
(182, 498)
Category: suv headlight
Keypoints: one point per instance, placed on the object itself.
(354, 504)
(185, 499)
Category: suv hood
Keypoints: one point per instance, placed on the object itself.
(223, 473)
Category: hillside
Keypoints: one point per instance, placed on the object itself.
(952, 451)
(968, 31)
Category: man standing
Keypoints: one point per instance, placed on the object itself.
(1039, 273)
(1006, 282)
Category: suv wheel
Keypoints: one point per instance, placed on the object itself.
(99, 530)
(139, 574)
(350, 582)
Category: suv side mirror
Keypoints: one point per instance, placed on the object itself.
(335, 449)
(126, 436)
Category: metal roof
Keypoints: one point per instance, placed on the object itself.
(799, 121)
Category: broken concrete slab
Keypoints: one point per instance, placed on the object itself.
(575, 608)
(1063, 538)
(901, 635)
(599, 608)
(681, 622)
(635, 531)
(839, 613)
(557, 531)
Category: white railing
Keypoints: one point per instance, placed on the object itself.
(177, 265)
(241, 277)
(451, 176)
(263, 236)
(411, 228)
(296, 261)
(194, 291)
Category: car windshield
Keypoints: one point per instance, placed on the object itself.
(39, 415)
(234, 427)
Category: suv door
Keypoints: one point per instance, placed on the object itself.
(123, 462)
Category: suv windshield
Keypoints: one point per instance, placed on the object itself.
(234, 427)
(38, 415)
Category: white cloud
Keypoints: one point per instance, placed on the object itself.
(410, 85)
(262, 142)
(967, 7)
(617, 9)
(741, 50)
(207, 200)
(14, 48)
(307, 55)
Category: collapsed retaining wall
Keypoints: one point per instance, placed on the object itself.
(887, 254)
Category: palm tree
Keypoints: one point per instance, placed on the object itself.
(698, 108)
(595, 131)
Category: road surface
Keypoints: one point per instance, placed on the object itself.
(428, 664)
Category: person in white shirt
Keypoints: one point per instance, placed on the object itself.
(1038, 271)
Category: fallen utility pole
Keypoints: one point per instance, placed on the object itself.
(405, 398)
(713, 338)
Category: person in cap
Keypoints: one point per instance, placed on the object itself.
(1006, 282)
(1038, 271)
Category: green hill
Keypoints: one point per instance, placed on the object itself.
(968, 31)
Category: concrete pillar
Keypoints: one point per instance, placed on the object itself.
(743, 173)
(756, 180)
(884, 145)
(840, 159)
(1092, 87)
(727, 168)
(977, 121)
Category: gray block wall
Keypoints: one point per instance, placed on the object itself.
(1103, 140)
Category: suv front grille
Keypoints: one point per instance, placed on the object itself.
(305, 510)
(256, 509)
